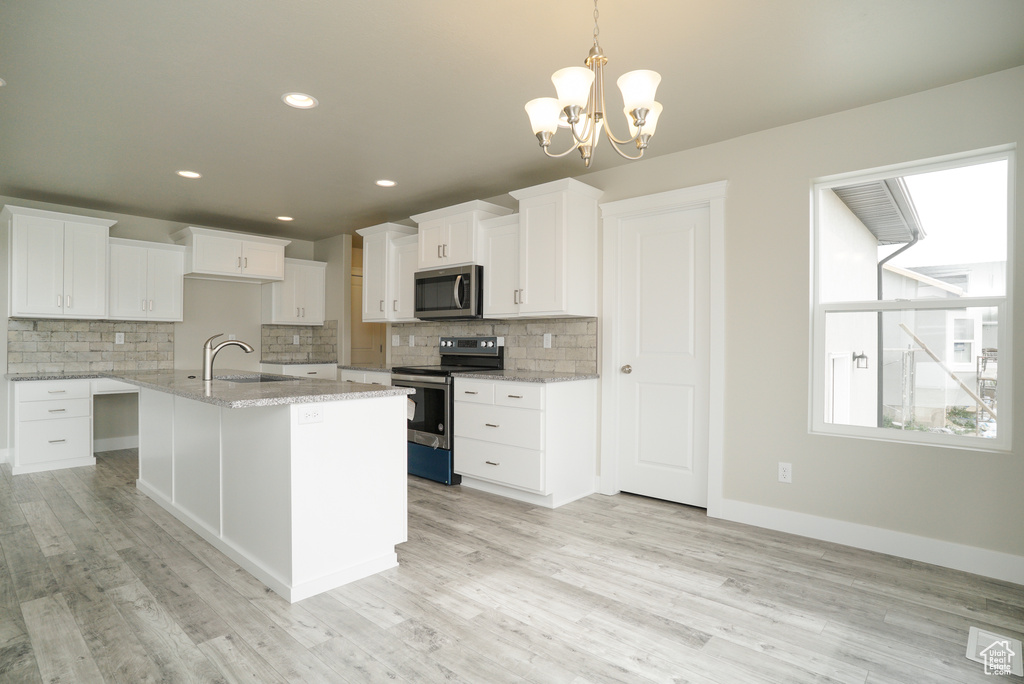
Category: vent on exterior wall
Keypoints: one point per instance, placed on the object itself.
(885, 209)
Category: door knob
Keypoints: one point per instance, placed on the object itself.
(627, 369)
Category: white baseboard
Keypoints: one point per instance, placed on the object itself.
(115, 443)
(5, 456)
(994, 564)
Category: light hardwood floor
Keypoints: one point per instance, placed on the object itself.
(98, 584)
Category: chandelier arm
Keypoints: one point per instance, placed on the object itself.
(560, 154)
(608, 128)
(624, 155)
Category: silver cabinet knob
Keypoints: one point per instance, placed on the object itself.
(627, 369)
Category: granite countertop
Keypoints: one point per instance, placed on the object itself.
(298, 363)
(525, 376)
(222, 392)
(368, 369)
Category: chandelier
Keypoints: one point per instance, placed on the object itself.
(580, 106)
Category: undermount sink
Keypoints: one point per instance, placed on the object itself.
(255, 378)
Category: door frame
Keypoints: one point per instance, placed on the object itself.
(712, 196)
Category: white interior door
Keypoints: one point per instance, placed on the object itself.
(662, 348)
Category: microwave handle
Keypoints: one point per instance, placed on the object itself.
(458, 287)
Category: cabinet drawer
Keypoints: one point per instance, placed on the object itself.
(373, 378)
(53, 440)
(530, 396)
(53, 410)
(45, 390)
(500, 424)
(474, 391)
(499, 463)
(328, 371)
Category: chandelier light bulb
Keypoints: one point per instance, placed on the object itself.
(543, 113)
(650, 122)
(573, 86)
(638, 88)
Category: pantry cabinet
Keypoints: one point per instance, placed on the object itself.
(58, 263)
(223, 255)
(532, 441)
(448, 237)
(299, 299)
(381, 280)
(146, 281)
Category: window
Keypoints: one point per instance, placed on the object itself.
(911, 310)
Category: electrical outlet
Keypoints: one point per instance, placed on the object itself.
(785, 472)
(310, 413)
(501, 341)
(295, 339)
(118, 338)
(396, 340)
(547, 340)
(412, 340)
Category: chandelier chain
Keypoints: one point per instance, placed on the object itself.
(596, 29)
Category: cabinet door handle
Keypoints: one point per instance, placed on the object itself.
(143, 304)
(446, 250)
(239, 262)
(522, 296)
(56, 391)
(439, 251)
(67, 304)
(394, 305)
(310, 372)
(57, 410)
(492, 463)
(382, 305)
(57, 441)
(150, 304)
(246, 263)
(303, 312)
(468, 392)
(60, 300)
(296, 312)
(515, 396)
(515, 296)
(491, 425)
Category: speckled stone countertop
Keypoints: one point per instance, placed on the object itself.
(222, 392)
(298, 363)
(368, 369)
(525, 376)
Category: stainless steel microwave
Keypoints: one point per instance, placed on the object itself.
(447, 294)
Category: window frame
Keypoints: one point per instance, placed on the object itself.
(819, 357)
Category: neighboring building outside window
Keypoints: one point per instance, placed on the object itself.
(911, 303)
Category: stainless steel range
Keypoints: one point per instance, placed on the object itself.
(431, 452)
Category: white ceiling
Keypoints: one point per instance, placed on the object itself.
(106, 99)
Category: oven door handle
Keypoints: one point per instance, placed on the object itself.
(418, 381)
(458, 286)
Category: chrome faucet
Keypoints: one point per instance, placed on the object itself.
(210, 352)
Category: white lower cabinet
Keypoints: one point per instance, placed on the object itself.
(536, 442)
(323, 371)
(52, 425)
(365, 377)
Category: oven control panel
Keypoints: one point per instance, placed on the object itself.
(470, 346)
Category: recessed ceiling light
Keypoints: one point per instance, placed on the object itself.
(285, 218)
(299, 100)
(190, 174)
(385, 183)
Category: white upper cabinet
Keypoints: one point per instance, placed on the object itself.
(499, 253)
(299, 298)
(403, 278)
(380, 271)
(448, 237)
(58, 263)
(558, 249)
(145, 281)
(223, 255)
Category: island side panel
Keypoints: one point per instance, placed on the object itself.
(256, 476)
(349, 486)
(156, 442)
(197, 461)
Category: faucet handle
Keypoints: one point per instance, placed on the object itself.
(209, 343)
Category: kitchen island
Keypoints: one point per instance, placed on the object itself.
(301, 482)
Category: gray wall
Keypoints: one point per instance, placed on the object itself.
(949, 494)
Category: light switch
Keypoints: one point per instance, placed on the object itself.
(412, 340)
